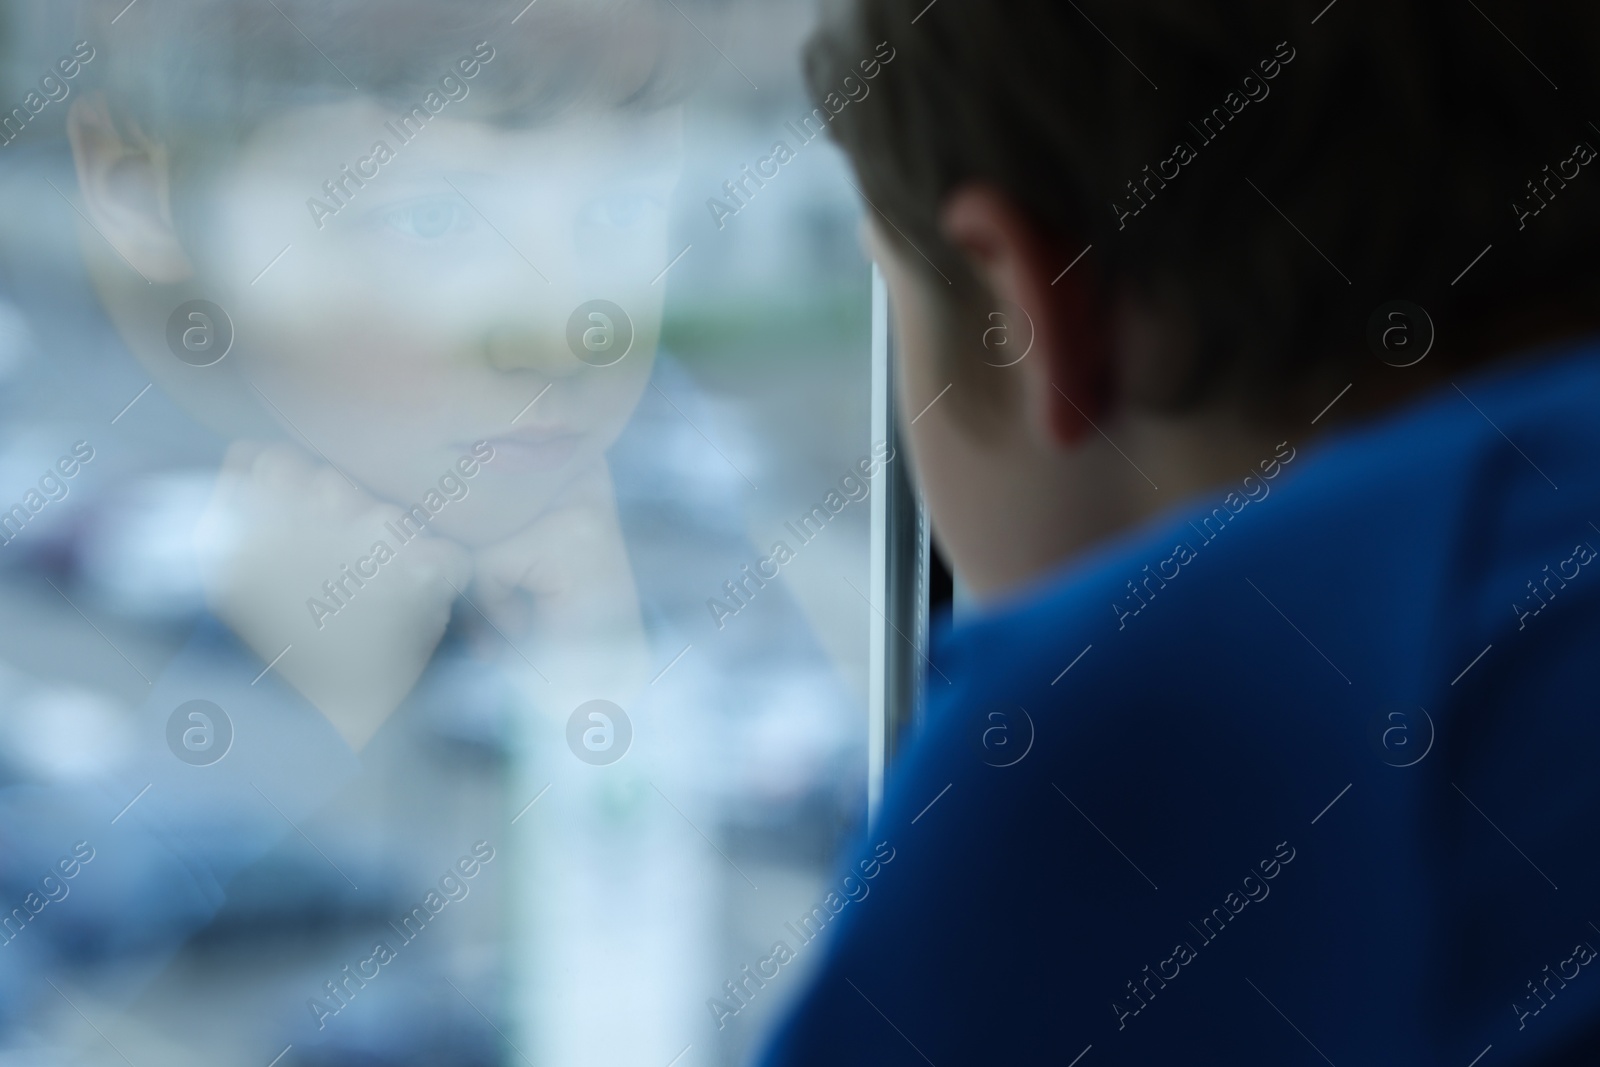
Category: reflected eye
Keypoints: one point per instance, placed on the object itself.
(429, 219)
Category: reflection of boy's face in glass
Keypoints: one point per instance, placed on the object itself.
(433, 307)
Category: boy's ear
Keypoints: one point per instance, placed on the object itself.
(1067, 371)
(125, 179)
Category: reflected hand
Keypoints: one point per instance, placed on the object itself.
(565, 581)
(291, 557)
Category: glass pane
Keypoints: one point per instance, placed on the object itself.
(437, 479)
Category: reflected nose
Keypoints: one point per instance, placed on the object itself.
(521, 348)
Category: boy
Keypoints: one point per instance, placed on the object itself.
(1271, 737)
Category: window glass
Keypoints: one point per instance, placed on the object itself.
(437, 478)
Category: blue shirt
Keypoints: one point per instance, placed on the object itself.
(1304, 771)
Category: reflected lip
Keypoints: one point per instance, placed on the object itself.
(536, 448)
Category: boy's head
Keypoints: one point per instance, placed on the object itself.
(1191, 212)
(401, 208)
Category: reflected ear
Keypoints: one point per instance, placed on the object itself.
(1067, 371)
(125, 180)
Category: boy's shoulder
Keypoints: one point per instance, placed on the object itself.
(1379, 528)
(1129, 760)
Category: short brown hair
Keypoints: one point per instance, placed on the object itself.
(1372, 165)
